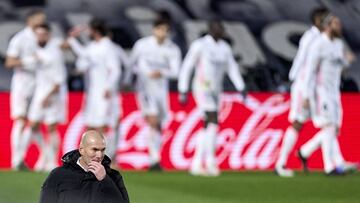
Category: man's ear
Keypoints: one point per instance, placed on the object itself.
(81, 150)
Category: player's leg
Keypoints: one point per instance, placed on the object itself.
(112, 137)
(328, 134)
(338, 158)
(289, 141)
(196, 167)
(298, 114)
(19, 104)
(148, 105)
(52, 147)
(115, 144)
(16, 137)
(205, 142)
(327, 118)
(340, 163)
(211, 129)
(154, 141)
(33, 132)
(314, 143)
(307, 149)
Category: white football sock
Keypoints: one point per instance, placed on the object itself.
(311, 145)
(210, 145)
(328, 133)
(24, 143)
(199, 151)
(290, 138)
(336, 153)
(16, 131)
(52, 149)
(39, 140)
(154, 144)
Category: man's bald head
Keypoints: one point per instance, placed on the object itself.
(92, 146)
(91, 136)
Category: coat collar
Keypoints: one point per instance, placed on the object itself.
(71, 158)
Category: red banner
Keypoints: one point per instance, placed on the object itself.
(249, 136)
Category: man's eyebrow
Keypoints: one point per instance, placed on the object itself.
(95, 148)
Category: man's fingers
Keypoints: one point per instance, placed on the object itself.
(91, 167)
(92, 171)
(97, 164)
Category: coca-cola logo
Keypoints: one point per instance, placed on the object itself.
(249, 133)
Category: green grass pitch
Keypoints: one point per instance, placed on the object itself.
(230, 187)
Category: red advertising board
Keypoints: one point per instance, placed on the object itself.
(249, 136)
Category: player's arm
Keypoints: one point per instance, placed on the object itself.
(187, 68)
(26, 63)
(13, 59)
(299, 58)
(132, 64)
(12, 62)
(76, 46)
(234, 73)
(12, 54)
(58, 74)
(126, 64)
(348, 56)
(112, 63)
(124, 58)
(314, 59)
(174, 64)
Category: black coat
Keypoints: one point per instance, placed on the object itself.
(70, 183)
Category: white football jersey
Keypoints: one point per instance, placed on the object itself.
(101, 62)
(51, 70)
(148, 56)
(305, 42)
(23, 45)
(211, 59)
(326, 61)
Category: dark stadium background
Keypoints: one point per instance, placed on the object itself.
(265, 67)
(264, 35)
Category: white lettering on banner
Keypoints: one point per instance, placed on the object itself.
(225, 139)
(73, 133)
(138, 157)
(252, 158)
(178, 145)
(254, 126)
(254, 145)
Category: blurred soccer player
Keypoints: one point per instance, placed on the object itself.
(211, 57)
(113, 134)
(300, 105)
(327, 58)
(19, 57)
(155, 60)
(48, 105)
(101, 64)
